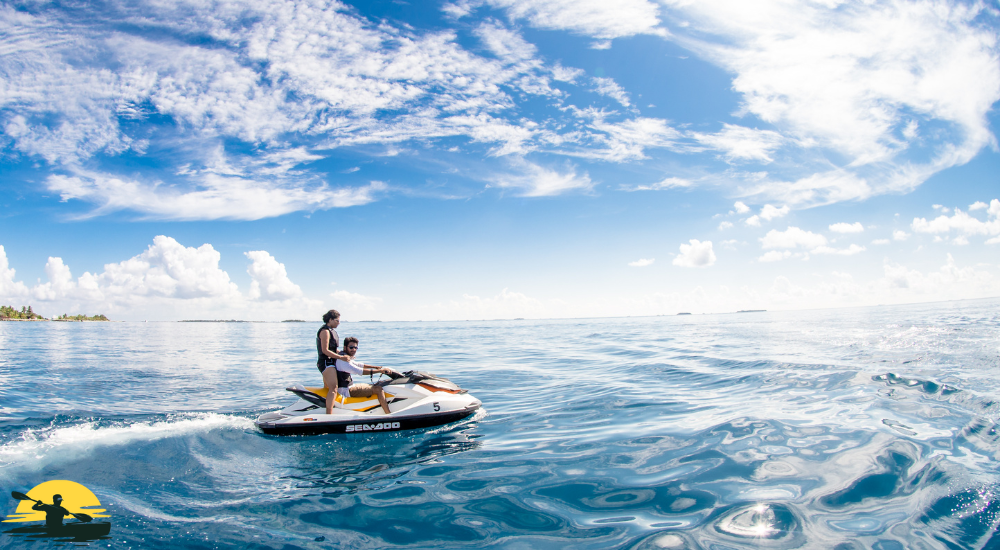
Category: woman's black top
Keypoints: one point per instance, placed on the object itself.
(323, 362)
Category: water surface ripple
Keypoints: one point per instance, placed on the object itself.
(854, 428)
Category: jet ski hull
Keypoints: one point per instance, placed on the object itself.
(383, 423)
(415, 400)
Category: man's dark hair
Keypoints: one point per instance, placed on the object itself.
(350, 340)
(332, 314)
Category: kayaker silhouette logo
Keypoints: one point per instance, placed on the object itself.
(67, 509)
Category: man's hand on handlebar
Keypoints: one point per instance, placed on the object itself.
(390, 373)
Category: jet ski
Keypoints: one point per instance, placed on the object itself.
(416, 400)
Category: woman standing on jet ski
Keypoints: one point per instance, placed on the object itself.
(327, 342)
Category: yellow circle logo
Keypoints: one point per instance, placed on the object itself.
(76, 499)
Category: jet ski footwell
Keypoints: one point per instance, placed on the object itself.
(416, 400)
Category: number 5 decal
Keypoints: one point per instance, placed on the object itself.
(437, 406)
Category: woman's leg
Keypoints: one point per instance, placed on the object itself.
(330, 382)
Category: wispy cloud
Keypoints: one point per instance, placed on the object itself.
(737, 143)
(873, 82)
(536, 181)
(216, 196)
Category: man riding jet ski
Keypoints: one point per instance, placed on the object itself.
(415, 400)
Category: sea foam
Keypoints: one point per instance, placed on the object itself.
(38, 447)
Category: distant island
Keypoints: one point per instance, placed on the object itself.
(8, 313)
(294, 321)
(683, 313)
(213, 321)
(751, 311)
(370, 321)
(65, 317)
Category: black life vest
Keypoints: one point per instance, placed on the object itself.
(323, 361)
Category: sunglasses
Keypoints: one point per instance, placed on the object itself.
(352, 347)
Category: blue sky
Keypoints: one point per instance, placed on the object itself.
(495, 158)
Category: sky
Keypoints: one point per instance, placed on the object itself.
(488, 159)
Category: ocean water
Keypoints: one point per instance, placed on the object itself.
(848, 429)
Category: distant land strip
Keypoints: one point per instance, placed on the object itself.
(10, 313)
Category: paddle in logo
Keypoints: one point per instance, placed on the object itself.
(58, 509)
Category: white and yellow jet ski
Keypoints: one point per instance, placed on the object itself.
(416, 400)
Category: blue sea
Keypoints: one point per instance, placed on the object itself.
(847, 429)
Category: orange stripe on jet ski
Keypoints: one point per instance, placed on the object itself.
(432, 388)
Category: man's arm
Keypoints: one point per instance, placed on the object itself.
(376, 368)
(324, 346)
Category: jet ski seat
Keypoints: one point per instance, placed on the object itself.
(321, 393)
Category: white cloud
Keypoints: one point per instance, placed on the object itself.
(536, 181)
(608, 87)
(269, 278)
(770, 212)
(978, 205)
(753, 221)
(880, 242)
(596, 18)
(167, 280)
(741, 208)
(60, 281)
(506, 44)
(900, 235)
(844, 227)
(169, 269)
(666, 183)
(961, 222)
(793, 237)
(738, 143)
(9, 288)
(696, 254)
(725, 225)
(642, 262)
(627, 140)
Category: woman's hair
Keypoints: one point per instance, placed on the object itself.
(332, 314)
(350, 340)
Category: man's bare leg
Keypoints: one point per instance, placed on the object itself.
(367, 390)
(381, 399)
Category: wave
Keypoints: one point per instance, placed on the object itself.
(38, 446)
